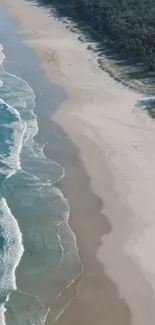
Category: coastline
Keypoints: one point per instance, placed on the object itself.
(47, 235)
(112, 174)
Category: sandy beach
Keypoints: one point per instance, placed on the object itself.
(110, 183)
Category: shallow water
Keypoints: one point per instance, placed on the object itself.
(34, 231)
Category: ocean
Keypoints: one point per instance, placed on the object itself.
(39, 258)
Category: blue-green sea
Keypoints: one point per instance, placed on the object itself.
(38, 255)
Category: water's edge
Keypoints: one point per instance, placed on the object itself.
(37, 177)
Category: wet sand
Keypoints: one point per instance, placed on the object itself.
(109, 182)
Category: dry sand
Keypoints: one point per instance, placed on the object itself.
(113, 207)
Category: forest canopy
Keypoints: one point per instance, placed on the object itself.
(129, 24)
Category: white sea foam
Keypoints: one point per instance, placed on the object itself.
(2, 315)
(19, 128)
(11, 250)
(2, 55)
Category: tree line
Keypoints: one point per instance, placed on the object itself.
(129, 24)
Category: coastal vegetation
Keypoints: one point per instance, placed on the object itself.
(129, 25)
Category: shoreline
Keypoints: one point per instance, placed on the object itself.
(63, 299)
(116, 176)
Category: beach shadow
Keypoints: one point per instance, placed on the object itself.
(148, 105)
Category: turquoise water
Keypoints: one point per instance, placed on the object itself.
(38, 254)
